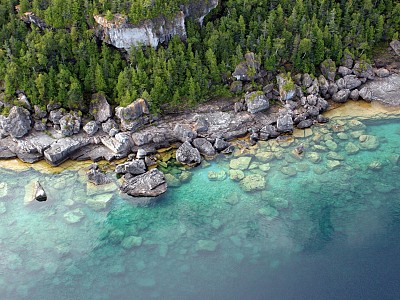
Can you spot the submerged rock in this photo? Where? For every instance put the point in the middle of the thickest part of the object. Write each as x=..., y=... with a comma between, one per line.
x=74, y=216
x=172, y=181
x=206, y=245
x=253, y=182
x=217, y=176
x=99, y=202
x=3, y=189
x=236, y=175
x=241, y=163
x=369, y=142
x=149, y=184
x=131, y=241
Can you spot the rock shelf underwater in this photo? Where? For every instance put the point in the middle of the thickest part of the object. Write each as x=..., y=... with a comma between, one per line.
x=218, y=235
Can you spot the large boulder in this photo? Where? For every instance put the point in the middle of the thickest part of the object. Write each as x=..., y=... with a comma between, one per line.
x=56, y=115
x=188, y=155
x=221, y=144
x=351, y=82
x=328, y=69
x=120, y=144
x=344, y=71
x=256, y=101
x=18, y=122
x=91, y=128
x=99, y=108
x=247, y=70
x=363, y=70
x=70, y=124
x=395, y=44
x=285, y=122
x=342, y=96
x=386, y=90
x=109, y=126
x=366, y=93
x=95, y=176
x=135, y=167
x=287, y=88
x=62, y=149
x=184, y=132
x=131, y=117
x=39, y=113
x=268, y=132
x=204, y=146
x=149, y=184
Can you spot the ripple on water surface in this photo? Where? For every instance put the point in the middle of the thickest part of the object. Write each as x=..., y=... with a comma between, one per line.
x=275, y=225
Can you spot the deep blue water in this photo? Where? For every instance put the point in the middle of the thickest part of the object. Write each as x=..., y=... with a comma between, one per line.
x=327, y=231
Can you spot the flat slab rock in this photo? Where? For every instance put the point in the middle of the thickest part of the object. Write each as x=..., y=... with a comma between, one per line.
x=386, y=89
x=149, y=184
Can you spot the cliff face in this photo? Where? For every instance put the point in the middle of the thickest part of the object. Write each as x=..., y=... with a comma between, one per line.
x=119, y=33
x=198, y=10
x=152, y=32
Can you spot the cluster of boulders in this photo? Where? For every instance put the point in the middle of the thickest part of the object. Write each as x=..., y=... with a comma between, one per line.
x=34, y=133
x=304, y=97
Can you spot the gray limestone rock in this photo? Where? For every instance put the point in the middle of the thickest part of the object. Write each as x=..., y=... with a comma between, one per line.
x=366, y=93
x=39, y=113
x=99, y=108
x=285, y=123
x=95, y=176
x=91, y=128
x=134, y=167
x=307, y=80
x=268, y=132
x=344, y=71
x=120, y=144
x=70, y=124
x=204, y=146
x=149, y=184
x=386, y=90
x=62, y=149
x=395, y=45
x=382, y=72
x=220, y=144
x=248, y=69
x=256, y=102
x=354, y=94
x=56, y=115
x=287, y=88
x=328, y=69
x=39, y=193
x=351, y=82
x=363, y=70
x=131, y=117
x=109, y=125
x=184, y=132
x=188, y=155
x=341, y=96
x=18, y=122
x=305, y=124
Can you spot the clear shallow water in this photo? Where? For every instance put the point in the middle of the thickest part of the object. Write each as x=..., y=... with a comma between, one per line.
x=319, y=233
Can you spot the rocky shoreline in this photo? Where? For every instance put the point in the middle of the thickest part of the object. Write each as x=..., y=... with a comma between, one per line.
x=32, y=134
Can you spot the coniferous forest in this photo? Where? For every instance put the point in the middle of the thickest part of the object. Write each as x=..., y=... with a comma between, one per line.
x=64, y=63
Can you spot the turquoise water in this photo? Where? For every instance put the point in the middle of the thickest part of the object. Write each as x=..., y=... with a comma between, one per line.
x=326, y=226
